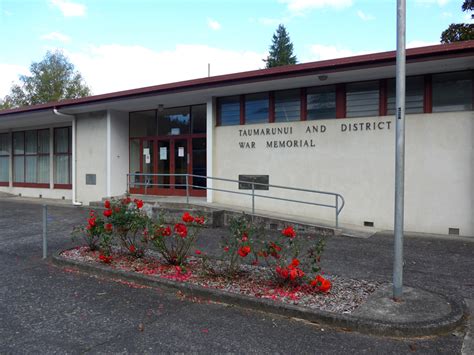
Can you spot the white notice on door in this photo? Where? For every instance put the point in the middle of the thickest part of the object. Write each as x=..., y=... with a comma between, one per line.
x=146, y=151
x=147, y=159
x=163, y=153
x=180, y=151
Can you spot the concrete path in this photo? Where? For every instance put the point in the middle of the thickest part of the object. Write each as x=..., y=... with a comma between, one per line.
x=44, y=309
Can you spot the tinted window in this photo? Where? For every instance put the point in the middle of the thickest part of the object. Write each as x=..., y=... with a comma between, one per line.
x=452, y=91
x=174, y=121
x=415, y=87
x=256, y=108
x=321, y=102
x=362, y=99
x=287, y=105
x=143, y=124
x=198, y=117
x=229, y=110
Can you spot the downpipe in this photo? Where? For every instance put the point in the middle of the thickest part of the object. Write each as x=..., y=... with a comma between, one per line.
x=73, y=117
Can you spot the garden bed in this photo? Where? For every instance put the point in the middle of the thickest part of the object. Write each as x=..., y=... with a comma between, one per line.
x=344, y=296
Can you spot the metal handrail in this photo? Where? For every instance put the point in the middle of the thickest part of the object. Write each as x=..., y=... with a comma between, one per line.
x=338, y=205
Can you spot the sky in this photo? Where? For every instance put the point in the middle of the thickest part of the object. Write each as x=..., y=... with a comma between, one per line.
x=125, y=44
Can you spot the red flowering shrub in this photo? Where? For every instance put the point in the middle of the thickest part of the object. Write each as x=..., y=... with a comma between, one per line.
x=95, y=233
x=322, y=284
x=290, y=263
x=175, y=243
x=239, y=244
x=129, y=223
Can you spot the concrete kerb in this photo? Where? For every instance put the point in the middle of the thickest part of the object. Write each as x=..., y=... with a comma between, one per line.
x=445, y=324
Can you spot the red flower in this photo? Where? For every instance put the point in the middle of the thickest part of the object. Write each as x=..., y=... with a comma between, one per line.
x=132, y=248
x=289, y=232
x=199, y=220
x=139, y=203
x=187, y=218
x=163, y=232
x=181, y=230
x=107, y=204
x=245, y=237
x=244, y=251
x=282, y=271
x=126, y=200
x=108, y=227
x=108, y=213
x=117, y=209
x=91, y=222
x=105, y=259
x=295, y=262
x=226, y=249
x=323, y=285
x=198, y=252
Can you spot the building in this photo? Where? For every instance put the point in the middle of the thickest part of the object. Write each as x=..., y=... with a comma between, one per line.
x=326, y=125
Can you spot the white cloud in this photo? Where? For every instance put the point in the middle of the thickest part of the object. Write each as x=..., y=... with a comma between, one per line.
x=364, y=16
x=109, y=68
x=468, y=18
x=299, y=6
x=322, y=52
x=56, y=36
x=417, y=43
x=9, y=74
x=68, y=8
x=446, y=14
x=213, y=24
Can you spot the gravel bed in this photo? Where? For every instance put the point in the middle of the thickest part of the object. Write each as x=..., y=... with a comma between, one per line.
x=344, y=296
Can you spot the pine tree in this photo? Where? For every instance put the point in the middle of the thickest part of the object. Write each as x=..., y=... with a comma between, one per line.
x=281, y=50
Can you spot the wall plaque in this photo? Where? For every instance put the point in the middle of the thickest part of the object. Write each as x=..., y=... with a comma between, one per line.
x=246, y=179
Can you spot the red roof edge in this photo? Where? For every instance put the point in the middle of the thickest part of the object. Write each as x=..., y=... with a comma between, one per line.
x=348, y=62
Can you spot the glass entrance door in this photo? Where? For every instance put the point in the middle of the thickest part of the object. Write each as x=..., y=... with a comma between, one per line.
x=168, y=160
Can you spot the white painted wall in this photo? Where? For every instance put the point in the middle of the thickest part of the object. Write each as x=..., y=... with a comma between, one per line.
x=119, y=152
x=360, y=166
x=91, y=156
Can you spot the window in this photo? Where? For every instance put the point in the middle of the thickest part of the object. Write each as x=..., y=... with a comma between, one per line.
x=256, y=108
x=4, y=159
x=198, y=118
x=321, y=102
x=287, y=105
x=174, y=121
x=415, y=88
x=31, y=158
x=143, y=124
x=62, y=157
x=362, y=99
x=452, y=91
x=229, y=110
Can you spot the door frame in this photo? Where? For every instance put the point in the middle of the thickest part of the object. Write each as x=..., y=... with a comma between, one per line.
x=172, y=190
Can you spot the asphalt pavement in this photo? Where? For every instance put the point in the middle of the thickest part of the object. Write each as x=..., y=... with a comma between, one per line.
x=45, y=309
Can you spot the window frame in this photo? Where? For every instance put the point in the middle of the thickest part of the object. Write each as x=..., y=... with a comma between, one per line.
x=68, y=153
x=7, y=134
x=24, y=155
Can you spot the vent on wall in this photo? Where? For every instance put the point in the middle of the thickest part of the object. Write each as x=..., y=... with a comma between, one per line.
x=368, y=224
x=453, y=231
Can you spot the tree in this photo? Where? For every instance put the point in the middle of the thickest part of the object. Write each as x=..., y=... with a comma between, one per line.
x=281, y=50
x=52, y=79
x=457, y=32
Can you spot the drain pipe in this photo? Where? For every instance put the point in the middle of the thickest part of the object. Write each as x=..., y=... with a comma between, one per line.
x=73, y=173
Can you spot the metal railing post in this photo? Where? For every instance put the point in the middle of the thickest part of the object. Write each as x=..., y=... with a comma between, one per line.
x=253, y=198
x=128, y=184
x=187, y=189
x=45, y=231
x=337, y=211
